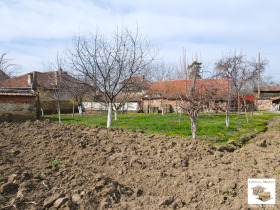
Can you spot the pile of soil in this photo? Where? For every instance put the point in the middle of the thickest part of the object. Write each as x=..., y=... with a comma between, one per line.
x=47, y=165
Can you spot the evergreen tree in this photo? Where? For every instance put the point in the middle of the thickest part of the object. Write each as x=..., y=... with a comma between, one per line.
x=195, y=70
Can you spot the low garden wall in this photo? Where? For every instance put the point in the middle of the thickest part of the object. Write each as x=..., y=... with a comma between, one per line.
x=50, y=106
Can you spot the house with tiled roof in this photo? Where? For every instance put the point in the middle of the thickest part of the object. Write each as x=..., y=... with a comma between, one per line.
x=46, y=81
x=36, y=80
x=170, y=92
x=137, y=84
x=133, y=91
x=269, y=98
x=46, y=85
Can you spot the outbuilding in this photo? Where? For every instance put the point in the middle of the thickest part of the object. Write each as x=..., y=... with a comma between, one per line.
x=18, y=106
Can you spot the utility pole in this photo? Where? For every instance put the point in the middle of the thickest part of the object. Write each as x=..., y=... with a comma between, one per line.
x=259, y=76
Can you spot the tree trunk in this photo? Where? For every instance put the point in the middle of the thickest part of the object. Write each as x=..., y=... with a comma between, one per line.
x=109, y=115
x=227, y=118
x=209, y=112
x=162, y=112
x=245, y=103
x=123, y=109
x=73, y=109
x=194, y=127
x=149, y=108
x=58, y=112
x=42, y=111
x=180, y=118
x=80, y=110
x=238, y=103
x=116, y=114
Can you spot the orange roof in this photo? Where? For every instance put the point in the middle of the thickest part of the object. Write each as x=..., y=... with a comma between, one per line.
x=139, y=81
x=269, y=89
x=219, y=88
x=7, y=92
x=275, y=98
x=40, y=79
x=132, y=97
x=44, y=80
x=17, y=94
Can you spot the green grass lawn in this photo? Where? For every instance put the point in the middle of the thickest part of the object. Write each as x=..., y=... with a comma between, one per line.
x=210, y=129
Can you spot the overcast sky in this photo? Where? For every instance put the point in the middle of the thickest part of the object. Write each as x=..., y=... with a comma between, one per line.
x=34, y=31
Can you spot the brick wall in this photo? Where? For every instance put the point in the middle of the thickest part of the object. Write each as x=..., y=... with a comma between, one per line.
x=18, y=108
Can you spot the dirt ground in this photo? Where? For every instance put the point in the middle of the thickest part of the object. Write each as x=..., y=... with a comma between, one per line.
x=45, y=165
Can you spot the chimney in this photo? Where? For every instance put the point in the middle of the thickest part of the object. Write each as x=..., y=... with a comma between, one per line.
x=30, y=79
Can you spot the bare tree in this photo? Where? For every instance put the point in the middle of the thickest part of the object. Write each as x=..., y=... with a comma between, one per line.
x=197, y=94
x=107, y=62
x=243, y=74
x=8, y=68
x=200, y=95
x=77, y=90
x=255, y=65
x=54, y=78
x=267, y=80
x=190, y=98
x=196, y=69
x=182, y=71
x=131, y=90
x=228, y=102
x=161, y=71
x=239, y=70
x=44, y=95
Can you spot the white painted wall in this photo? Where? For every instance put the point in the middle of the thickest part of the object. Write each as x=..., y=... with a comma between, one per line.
x=96, y=106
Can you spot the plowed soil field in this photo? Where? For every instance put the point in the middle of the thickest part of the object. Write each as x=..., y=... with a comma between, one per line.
x=45, y=165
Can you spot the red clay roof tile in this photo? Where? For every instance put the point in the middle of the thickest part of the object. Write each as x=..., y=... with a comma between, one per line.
x=174, y=88
x=42, y=80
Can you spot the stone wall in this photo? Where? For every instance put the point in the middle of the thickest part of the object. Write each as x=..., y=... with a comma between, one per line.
x=264, y=104
x=155, y=106
x=18, y=107
x=169, y=106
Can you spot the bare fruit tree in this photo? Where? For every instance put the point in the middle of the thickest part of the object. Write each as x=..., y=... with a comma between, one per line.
x=132, y=89
x=8, y=68
x=54, y=78
x=161, y=71
x=242, y=73
x=107, y=62
x=197, y=95
x=191, y=101
x=77, y=93
x=76, y=90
